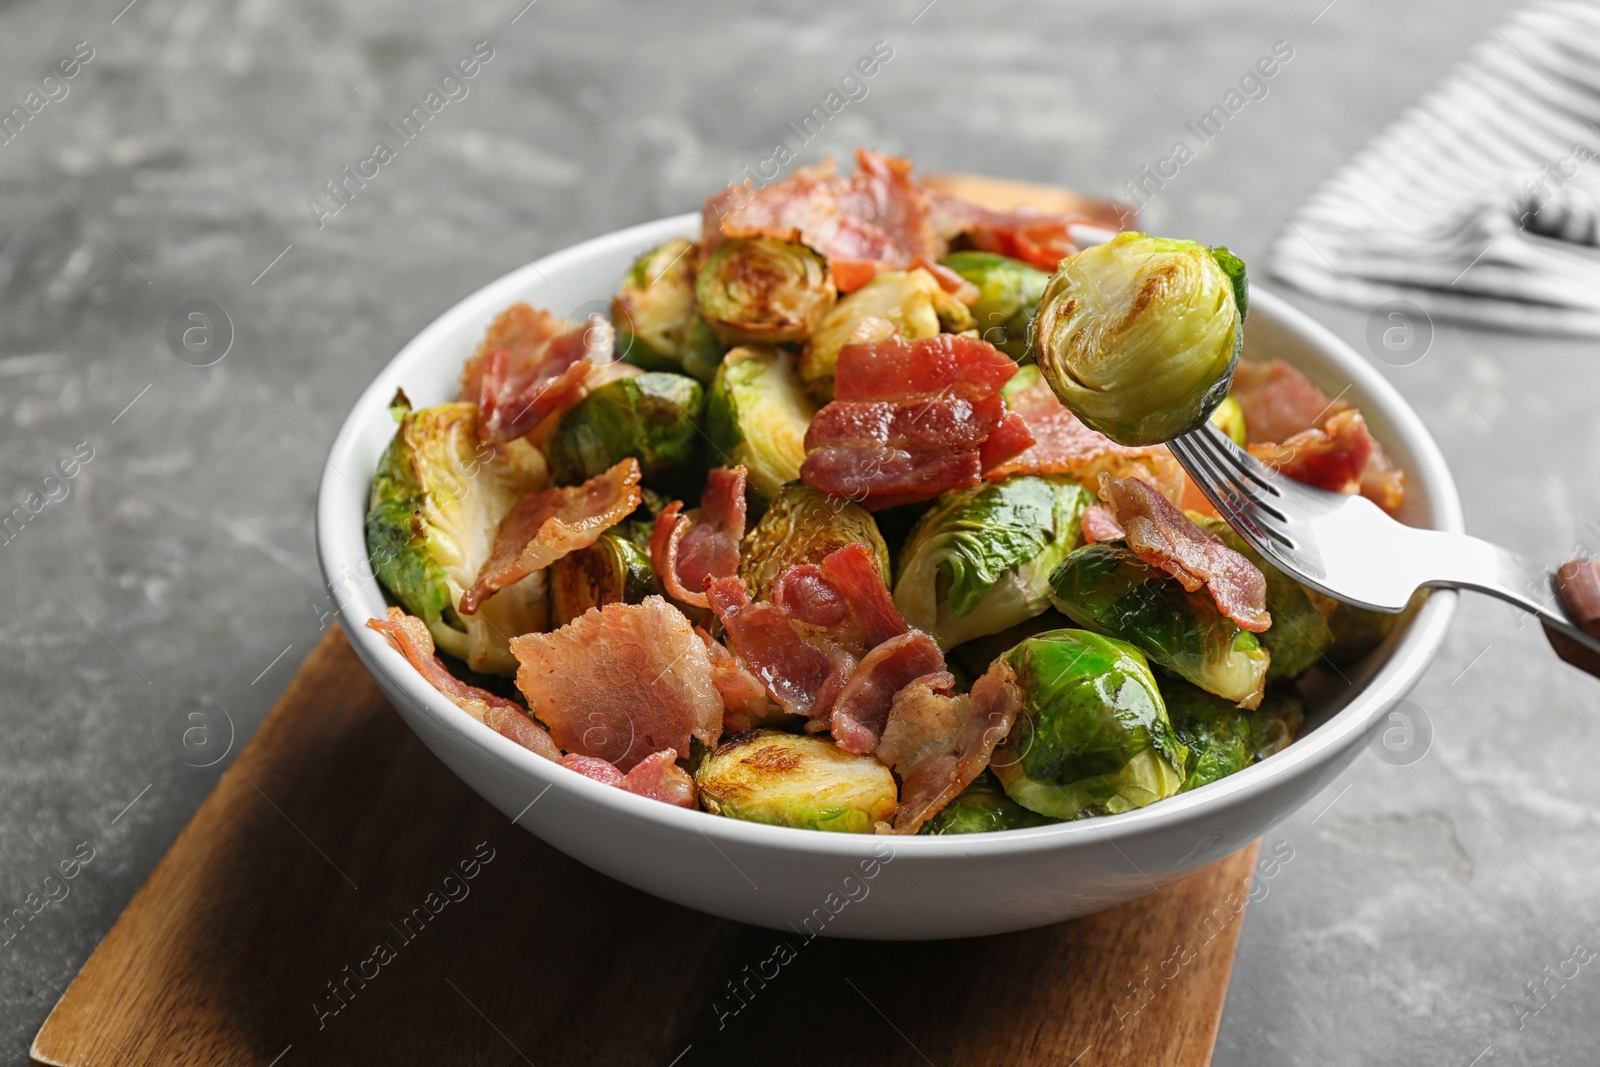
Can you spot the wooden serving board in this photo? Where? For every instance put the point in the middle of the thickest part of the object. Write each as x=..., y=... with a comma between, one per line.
x=255, y=941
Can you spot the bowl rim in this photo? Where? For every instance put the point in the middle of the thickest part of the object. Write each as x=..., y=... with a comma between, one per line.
x=360, y=598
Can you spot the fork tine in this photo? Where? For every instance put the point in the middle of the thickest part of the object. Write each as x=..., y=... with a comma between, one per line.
x=1224, y=454
x=1238, y=505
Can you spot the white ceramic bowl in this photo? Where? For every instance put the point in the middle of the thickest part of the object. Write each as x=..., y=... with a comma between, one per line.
x=843, y=885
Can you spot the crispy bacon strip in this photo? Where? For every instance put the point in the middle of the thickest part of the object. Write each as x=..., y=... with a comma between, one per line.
x=938, y=743
x=911, y=419
x=862, y=710
x=410, y=637
x=621, y=681
x=687, y=554
x=845, y=594
x=1280, y=404
x=1099, y=524
x=1165, y=538
x=657, y=776
x=1064, y=445
x=544, y=526
x=744, y=698
x=1038, y=239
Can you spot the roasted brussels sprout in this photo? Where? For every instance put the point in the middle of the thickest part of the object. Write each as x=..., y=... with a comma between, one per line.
x=756, y=289
x=1229, y=418
x=437, y=497
x=1356, y=631
x=1092, y=736
x=979, y=560
x=1105, y=587
x=652, y=416
x=906, y=304
x=796, y=780
x=1276, y=723
x=802, y=525
x=1008, y=295
x=1139, y=336
x=981, y=807
x=757, y=416
x=614, y=569
x=1299, y=636
x=1219, y=736
x=657, y=322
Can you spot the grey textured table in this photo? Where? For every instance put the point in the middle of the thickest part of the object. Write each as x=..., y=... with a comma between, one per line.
x=176, y=577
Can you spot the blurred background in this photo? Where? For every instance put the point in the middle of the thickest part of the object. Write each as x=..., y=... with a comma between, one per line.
x=158, y=606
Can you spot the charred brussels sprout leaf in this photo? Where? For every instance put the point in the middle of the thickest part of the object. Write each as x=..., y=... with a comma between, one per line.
x=1219, y=736
x=1008, y=295
x=1229, y=418
x=1105, y=587
x=979, y=560
x=1276, y=723
x=757, y=289
x=650, y=416
x=906, y=304
x=1139, y=336
x=1356, y=631
x=981, y=807
x=1299, y=636
x=802, y=525
x=796, y=780
x=657, y=322
x=757, y=416
x=1092, y=736
x=615, y=569
x=437, y=497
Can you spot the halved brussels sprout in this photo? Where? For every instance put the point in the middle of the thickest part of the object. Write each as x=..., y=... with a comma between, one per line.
x=653, y=417
x=979, y=559
x=981, y=807
x=1008, y=295
x=907, y=304
x=437, y=497
x=1356, y=631
x=1276, y=723
x=1229, y=418
x=1299, y=636
x=1092, y=736
x=757, y=416
x=614, y=569
x=1107, y=588
x=1139, y=336
x=756, y=289
x=658, y=325
x=1219, y=736
x=802, y=525
x=796, y=780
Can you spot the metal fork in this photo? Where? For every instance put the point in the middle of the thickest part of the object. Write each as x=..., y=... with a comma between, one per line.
x=1347, y=547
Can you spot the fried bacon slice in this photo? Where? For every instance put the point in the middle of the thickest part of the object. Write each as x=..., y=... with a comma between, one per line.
x=532, y=365
x=657, y=776
x=1041, y=240
x=862, y=709
x=880, y=219
x=912, y=419
x=744, y=698
x=689, y=553
x=938, y=743
x=1281, y=406
x=1099, y=524
x=1064, y=445
x=621, y=681
x=1165, y=538
x=546, y=525
x=410, y=637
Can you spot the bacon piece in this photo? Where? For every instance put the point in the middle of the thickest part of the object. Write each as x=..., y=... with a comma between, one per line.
x=911, y=419
x=938, y=743
x=1099, y=524
x=1064, y=445
x=1333, y=457
x=410, y=637
x=544, y=526
x=657, y=776
x=621, y=681
x=879, y=220
x=744, y=698
x=688, y=555
x=1281, y=404
x=862, y=710
x=804, y=644
x=1165, y=538
x=1038, y=239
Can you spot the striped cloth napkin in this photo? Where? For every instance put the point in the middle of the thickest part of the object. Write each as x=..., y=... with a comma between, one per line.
x=1481, y=202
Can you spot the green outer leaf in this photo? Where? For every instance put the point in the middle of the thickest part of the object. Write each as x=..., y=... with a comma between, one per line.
x=757, y=414
x=1008, y=295
x=1233, y=267
x=1299, y=635
x=983, y=806
x=396, y=543
x=651, y=416
x=1218, y=735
